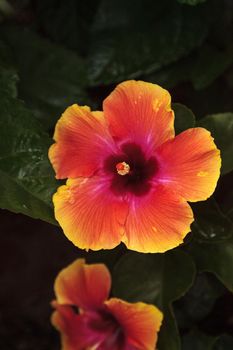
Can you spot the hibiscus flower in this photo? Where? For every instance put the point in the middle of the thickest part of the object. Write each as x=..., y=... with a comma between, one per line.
x=88, y=321
x=129, y=177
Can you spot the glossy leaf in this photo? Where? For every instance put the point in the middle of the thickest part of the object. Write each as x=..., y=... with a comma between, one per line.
x=210, y=64
x=174, y=73
x=124, y=44
x=224, y=342
x=197, y=340
x=26, y=178
x=191, y=2
x=199, y=301
x=221, y=128
x=210, y=224
x=51, y=77
x=184, y=117
x=158, y=279
x=67, y=24
x=8, y=75
x=8, y=81
x=216, y=258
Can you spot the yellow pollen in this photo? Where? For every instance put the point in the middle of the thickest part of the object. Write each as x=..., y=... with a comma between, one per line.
x=123, y=168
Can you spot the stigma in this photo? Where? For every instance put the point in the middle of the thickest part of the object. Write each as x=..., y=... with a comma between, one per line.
x=123, y=168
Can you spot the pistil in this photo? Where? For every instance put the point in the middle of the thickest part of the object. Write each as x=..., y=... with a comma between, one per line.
x=123, y=168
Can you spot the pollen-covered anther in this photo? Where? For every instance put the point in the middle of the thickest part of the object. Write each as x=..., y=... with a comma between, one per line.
x=123, y=168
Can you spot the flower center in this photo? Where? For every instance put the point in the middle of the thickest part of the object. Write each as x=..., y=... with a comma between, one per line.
x=135, y=178
x=123, y=168
x=106, y=330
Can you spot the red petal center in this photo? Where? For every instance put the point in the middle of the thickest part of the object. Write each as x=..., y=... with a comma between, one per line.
x=137, y=177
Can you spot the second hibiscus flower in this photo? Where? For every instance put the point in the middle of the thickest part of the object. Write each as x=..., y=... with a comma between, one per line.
x=129, y=177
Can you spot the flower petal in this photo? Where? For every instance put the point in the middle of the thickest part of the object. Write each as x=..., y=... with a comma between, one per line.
x=86, y=286
x=140, y=112
x=74, y=329
x=158, y=221
x=82, y=142
x=67, y=323
x=89, y=214
x=190, y=164
x=140, y=322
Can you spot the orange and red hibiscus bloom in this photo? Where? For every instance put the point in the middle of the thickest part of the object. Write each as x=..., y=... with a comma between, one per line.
x=88, y=321
x=129, y=177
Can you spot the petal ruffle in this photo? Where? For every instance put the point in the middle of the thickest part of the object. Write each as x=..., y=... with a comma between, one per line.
x=82, y=142
x=140, y=112
x=89, y=214
x=140, y=323
x=67, y=323
x=76, y=333
x=157, y=222
x=83, y=285
x=190, y=164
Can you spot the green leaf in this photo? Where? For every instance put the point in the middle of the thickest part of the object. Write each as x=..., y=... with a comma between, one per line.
x=210, y=224
x=173, y=74
x=26, y=177
x=216, y=258
x=5, y=55
x=124, y=44
x=230, y=214
x=221, y=128
x=8, y=75
x=8, y=81
x=51, y=77
x=107, y=257
x=191, y=2
x=201, y=67
x=6, y=8
x=212, y=244
x=67, y=24
x=197, y=340
x=184, y=117
x=210, y=64
x=158, y=279
x=224, y=342
x=198, y=302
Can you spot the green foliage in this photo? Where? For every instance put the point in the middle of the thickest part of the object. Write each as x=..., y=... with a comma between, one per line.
x=213, y=241
x=8, y=79
x=184, y=117
x=58, y=81
x=216, y=258
x=157, y=279
x=124, y=44
x=26, y=177
x=55, y=53
x=201, y=68
x=221, y=128
x=8, y=74
x=197, y=340
x=191, y=2
x=67, y=25
x=224, y=342
x=198, y=302
x=210, y=64
x=211, y=225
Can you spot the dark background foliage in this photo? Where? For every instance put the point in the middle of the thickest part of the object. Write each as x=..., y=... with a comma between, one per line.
x=54, y=53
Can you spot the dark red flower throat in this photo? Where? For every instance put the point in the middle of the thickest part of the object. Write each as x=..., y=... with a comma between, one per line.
x=141, y=170
x=111, y=335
